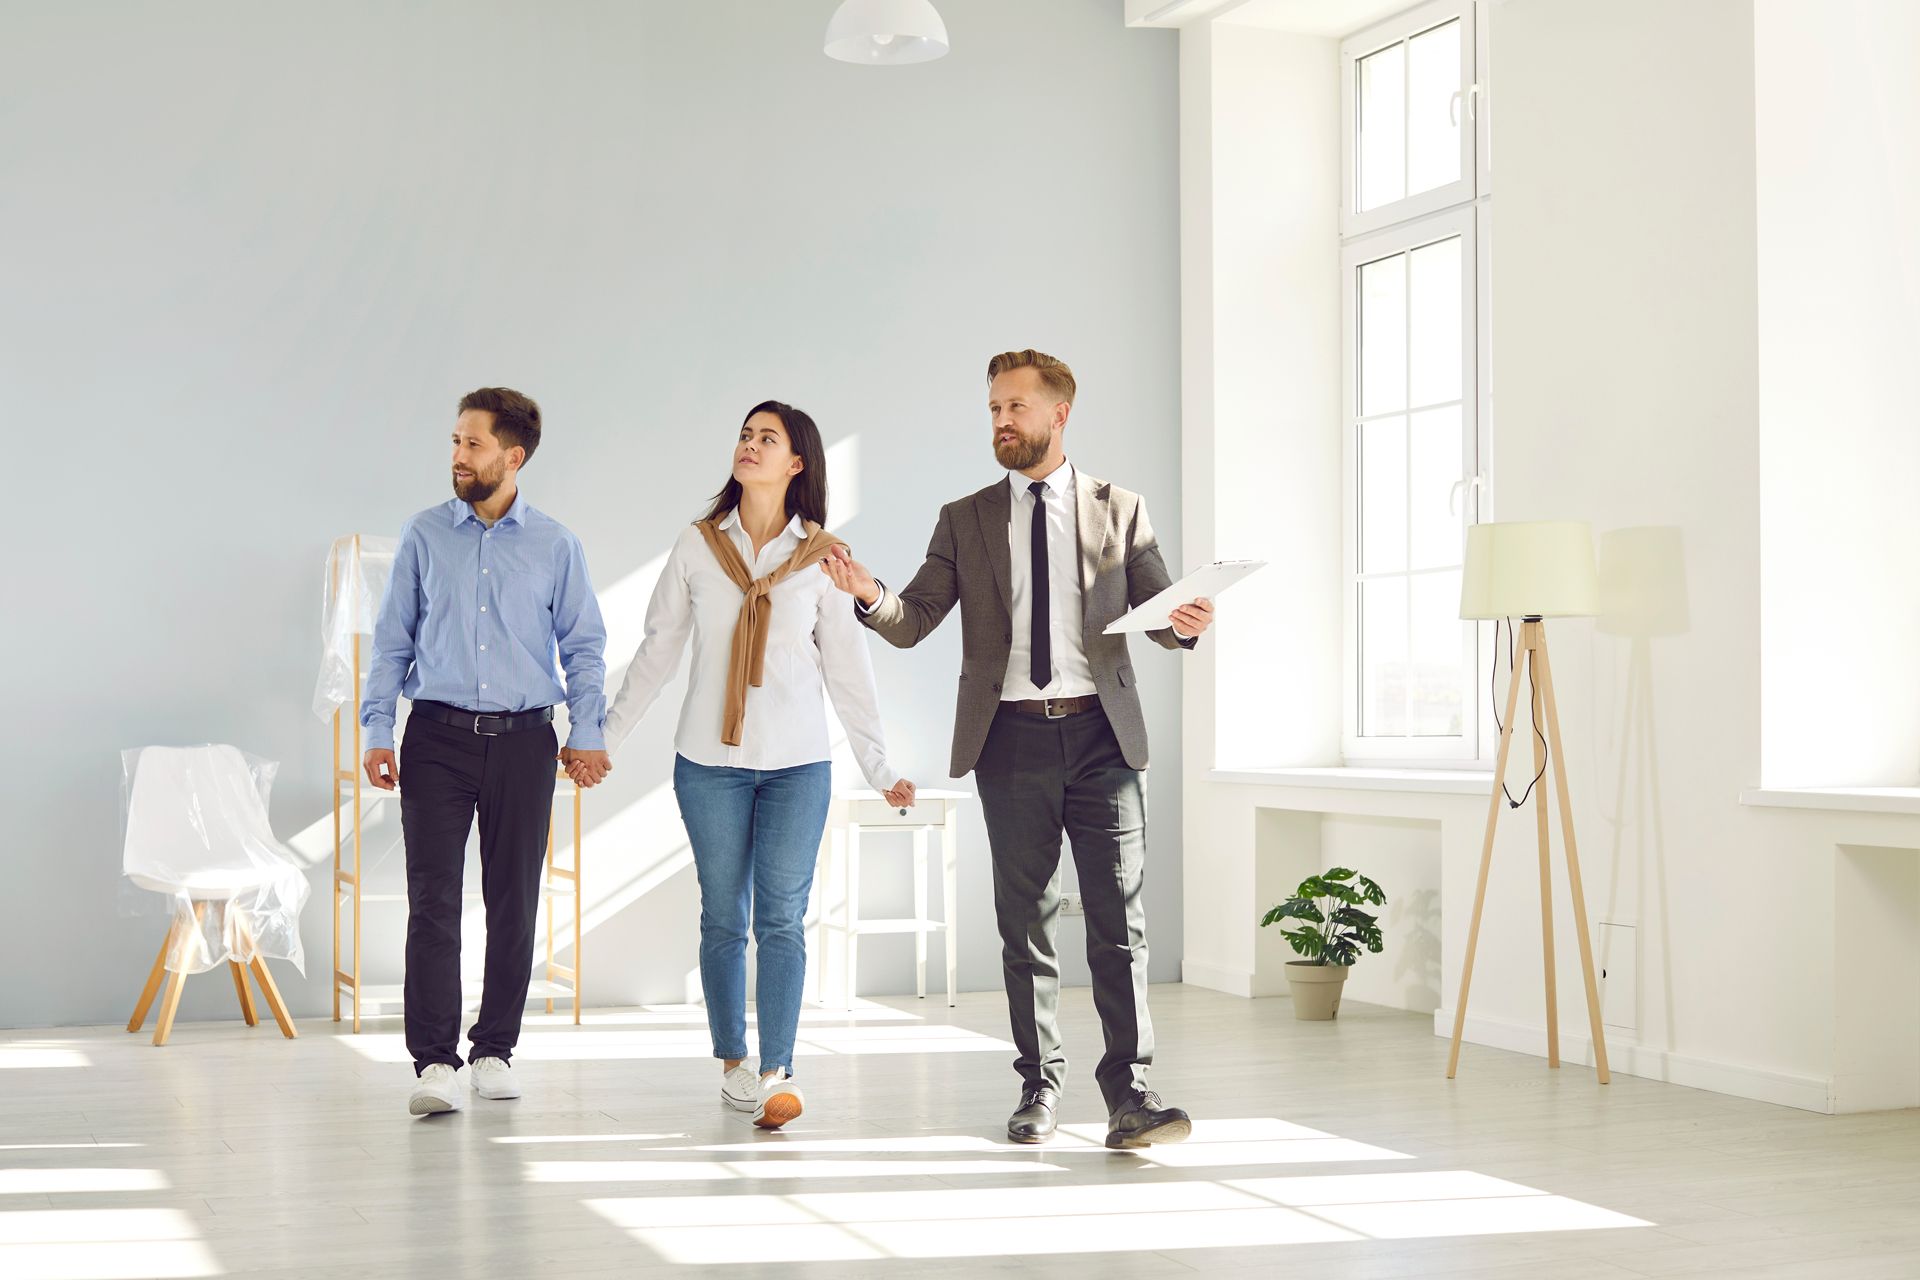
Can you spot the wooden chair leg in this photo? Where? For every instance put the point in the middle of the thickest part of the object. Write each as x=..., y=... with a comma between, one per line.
x=169, y=1005
x=272, y=993
x=246, y=996
x=154, y=979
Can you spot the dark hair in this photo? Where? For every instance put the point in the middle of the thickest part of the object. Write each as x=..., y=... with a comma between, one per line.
x=516, y=418
x=807, y=492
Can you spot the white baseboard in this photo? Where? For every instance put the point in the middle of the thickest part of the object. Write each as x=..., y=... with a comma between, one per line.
x=1855, y=1091
x=1216, y=977
x=1808, y=1093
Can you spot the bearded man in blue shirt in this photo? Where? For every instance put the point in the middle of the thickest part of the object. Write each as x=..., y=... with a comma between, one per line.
x=488, y=603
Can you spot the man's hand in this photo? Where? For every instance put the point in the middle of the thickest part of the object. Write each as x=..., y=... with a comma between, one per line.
x=851, y=576
x=901, y=797
x=1193, y=619
x=383, y=771
x=586, y=768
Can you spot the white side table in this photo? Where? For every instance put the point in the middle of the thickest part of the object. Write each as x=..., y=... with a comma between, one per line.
x=853, y=814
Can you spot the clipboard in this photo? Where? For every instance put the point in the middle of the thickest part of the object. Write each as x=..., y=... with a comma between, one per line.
x=1208, y=580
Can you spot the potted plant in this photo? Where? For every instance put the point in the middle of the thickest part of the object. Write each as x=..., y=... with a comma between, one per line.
x=1333, y=928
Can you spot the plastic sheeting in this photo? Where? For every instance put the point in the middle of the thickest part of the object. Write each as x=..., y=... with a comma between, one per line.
x=198, y=846
x=359, y=567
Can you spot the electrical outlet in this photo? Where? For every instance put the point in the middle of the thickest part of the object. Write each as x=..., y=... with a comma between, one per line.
x=1072, y=905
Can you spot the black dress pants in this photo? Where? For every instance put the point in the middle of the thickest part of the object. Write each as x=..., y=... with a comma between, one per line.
x=1039, y=779
x=447, y=775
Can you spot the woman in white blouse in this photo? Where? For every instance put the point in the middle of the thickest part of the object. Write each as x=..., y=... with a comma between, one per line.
x=751, y=772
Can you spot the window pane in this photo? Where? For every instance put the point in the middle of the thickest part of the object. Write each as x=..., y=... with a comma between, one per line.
x=1383, y=657
x=1439, y=667
x=1436, y=459
x=1383, y=336
x=1383, y=496
x=1381, y=121
x=1433, y=117
x=1437, y=322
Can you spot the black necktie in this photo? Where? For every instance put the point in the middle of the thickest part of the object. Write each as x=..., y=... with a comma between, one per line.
x=1040, y=615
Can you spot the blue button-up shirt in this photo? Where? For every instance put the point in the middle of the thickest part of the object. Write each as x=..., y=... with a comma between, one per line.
x=477, y=618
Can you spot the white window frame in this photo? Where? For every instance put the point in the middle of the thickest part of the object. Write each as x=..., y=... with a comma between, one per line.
x=1394, y=31
x=1460, y=223
x=1464, y=209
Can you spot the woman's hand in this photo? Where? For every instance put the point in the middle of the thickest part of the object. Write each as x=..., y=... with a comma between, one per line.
x=586, y=768
x=901, y=797
x=850, y=576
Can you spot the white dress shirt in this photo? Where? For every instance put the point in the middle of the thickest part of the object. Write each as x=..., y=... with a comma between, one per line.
x=812, y=638
x=1072, y=675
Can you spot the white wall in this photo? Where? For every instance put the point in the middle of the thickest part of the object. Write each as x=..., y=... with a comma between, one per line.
x=1838, y=173
x=1260, y=175
x=253, y=254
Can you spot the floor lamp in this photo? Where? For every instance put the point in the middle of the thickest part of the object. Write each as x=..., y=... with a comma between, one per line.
x=1533, y=571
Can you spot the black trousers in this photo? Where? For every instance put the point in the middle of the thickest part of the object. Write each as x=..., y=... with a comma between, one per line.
x=446, y=775
x=1038, y=778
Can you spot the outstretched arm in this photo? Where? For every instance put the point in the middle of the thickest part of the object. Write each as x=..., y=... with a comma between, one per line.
x=906, y=617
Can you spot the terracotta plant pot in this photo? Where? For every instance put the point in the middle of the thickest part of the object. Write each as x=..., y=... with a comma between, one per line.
x=1316, y=989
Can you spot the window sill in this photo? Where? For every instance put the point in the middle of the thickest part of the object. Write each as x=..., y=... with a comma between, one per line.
x=1904, y=800
x=1460, y=782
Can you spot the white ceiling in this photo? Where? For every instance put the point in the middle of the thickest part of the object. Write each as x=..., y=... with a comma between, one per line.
x=1314, y=17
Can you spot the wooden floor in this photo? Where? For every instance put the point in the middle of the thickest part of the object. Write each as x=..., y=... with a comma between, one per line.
x=1321, y=1150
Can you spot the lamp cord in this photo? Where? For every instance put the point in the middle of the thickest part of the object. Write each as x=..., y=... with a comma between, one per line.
x=1533, y=684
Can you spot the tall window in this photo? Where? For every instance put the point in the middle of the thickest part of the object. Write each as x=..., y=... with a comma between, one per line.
x=1415, y=214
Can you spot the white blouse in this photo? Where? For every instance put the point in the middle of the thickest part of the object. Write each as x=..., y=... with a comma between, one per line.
x=812, y=637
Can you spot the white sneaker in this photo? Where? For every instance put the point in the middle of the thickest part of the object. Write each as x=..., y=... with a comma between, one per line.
x=438, y=1090
x=493, y=1078
x=740, y=1089
x=780, y=1101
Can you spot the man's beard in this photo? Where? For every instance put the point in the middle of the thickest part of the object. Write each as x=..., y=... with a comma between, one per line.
x=481, y=487
x=1023, y=452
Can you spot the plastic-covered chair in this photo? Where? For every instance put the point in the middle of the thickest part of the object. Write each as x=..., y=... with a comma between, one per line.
x=197, y=834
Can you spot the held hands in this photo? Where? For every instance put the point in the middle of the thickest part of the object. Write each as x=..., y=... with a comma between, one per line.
x=383, y=771
x=1193, y=619
x=586, y=768
x=850, y=576
x=901, y=797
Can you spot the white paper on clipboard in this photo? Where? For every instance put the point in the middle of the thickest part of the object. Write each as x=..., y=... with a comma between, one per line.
x=1208, y=580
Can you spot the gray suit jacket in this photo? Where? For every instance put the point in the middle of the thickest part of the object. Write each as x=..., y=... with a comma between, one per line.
x=969, y=564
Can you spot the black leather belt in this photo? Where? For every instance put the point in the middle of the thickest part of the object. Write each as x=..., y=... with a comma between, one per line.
x=485, y=723
x=1055, y=708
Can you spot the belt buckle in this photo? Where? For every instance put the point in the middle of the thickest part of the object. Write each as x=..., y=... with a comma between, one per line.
x=476, y=726
x=1046, y=709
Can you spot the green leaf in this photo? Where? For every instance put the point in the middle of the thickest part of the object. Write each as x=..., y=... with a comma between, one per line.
x=1342, y=893
x=1353, y=917
x=1311, y=887
x=1371, y=891
x=1306, y=941
x=1295, y=909
x=1339, y=873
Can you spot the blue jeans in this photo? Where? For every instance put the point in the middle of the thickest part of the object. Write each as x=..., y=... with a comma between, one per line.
x=755, y=834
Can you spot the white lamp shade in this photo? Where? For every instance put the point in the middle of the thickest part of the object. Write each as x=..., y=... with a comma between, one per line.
x=886, y=33
x=1537, y=569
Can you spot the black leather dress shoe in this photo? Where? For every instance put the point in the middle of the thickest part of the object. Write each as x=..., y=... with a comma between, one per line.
x=1145, y=1120
x=1033, y=1120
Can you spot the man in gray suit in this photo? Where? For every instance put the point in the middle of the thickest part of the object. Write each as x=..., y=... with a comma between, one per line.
x=1049, y=721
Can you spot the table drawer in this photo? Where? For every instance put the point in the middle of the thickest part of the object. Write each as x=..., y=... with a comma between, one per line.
x=878, y=813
